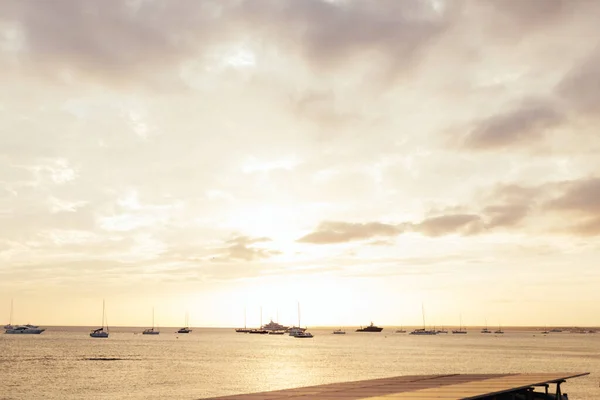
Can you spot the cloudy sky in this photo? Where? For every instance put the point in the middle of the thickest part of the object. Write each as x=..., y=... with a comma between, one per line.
x=362, y=158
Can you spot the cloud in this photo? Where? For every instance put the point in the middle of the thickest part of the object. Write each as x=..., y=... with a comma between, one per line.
x=590, y=227
x=330, y=232
x=117, y=38
x=133, y=40
x=582, y=196
x=241, y=248
x=569, y=207
x=449, y=224
x=581, y=86
x=505, y=215
x=524, y=125
x=331, y=33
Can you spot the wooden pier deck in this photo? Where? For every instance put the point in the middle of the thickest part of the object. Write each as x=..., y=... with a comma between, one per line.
x=424, y=387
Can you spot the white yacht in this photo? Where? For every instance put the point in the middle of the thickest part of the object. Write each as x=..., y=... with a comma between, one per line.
x=25, y=330
x=274, y=326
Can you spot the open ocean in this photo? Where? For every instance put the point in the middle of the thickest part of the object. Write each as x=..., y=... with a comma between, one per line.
x=65, y=363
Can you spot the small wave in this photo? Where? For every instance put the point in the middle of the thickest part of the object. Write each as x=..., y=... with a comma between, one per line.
x=104, y=359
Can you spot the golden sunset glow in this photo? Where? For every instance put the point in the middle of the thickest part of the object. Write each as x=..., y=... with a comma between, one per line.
x=360, y=158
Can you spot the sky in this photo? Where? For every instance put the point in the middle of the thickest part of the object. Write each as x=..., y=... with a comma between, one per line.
x=363, y=160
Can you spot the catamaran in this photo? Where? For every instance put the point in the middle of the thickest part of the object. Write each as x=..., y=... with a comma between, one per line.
x=151, y=331
x=100, y=332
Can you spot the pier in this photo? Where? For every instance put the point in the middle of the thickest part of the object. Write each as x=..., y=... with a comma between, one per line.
x=533, y=386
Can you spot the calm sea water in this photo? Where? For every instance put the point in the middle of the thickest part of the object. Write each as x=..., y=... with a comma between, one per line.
x=65, y=363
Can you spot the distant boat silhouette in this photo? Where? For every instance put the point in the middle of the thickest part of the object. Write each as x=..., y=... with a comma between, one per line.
x=186, y=329
x=423, y=331
x=460, y=330
x=10, y=325
x=370, y=328
x=151, y=331
x=100, y=332
x=244, y=329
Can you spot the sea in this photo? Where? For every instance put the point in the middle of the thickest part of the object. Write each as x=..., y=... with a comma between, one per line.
x=65, y=363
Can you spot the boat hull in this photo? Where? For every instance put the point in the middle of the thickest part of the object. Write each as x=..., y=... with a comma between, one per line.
x=24, y=331
x=99, y=335
x=370, y=329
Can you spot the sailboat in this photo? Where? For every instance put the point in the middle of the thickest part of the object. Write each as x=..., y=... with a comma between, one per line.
x=486, y=330
x=424, y=331
x=186, y=329
x=151, y=331
x=499, y=330
x=460, y=330
x=298, y=332
x=10, y=325
x=100, y=332
x=259, y=331
x=244, y=329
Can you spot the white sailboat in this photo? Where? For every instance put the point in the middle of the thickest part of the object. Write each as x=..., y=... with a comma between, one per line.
x=486, y=330
x=151, y=331
x=299, y=332
x=100, y=332
x=185, y=329
x=460, y=330
x=10, y=325
x=244, y=329
x=424, y=331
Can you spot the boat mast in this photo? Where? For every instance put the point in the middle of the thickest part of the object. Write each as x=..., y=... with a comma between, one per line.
x=423, y=312
x=261, y=325
x=103, y=307
x=298, y=314
x=11, y=312
x=152, y=318
x=244, y=317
